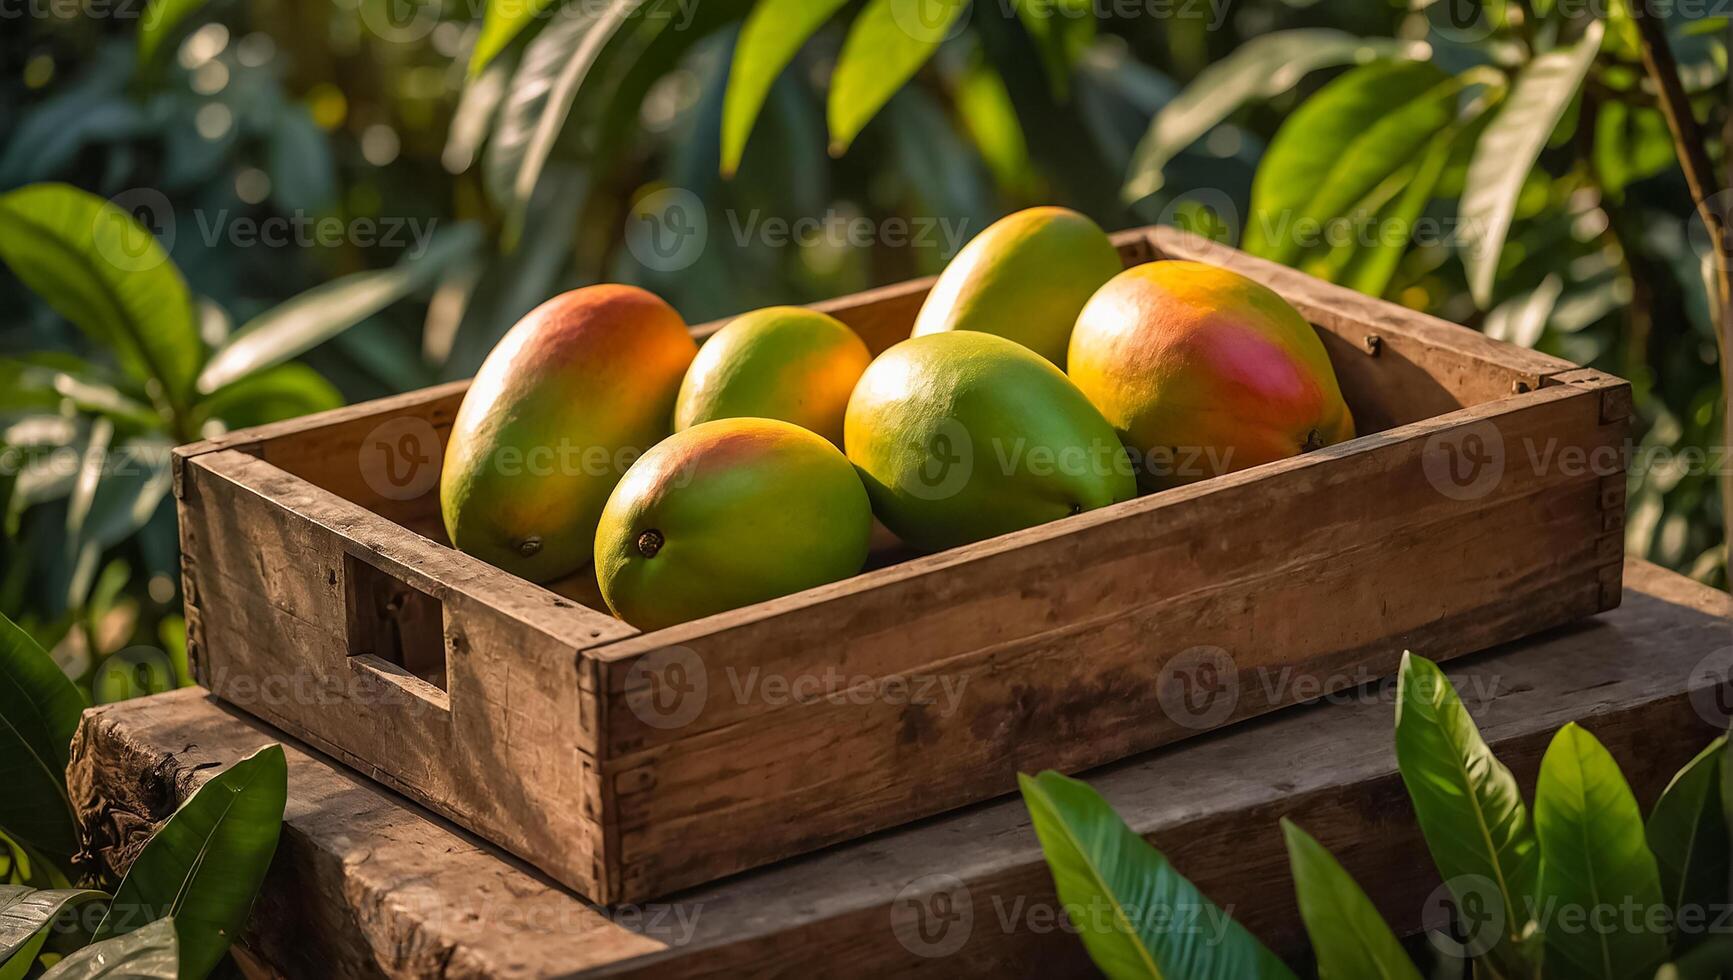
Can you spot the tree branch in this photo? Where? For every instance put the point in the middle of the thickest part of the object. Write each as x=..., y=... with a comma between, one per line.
x=1700, y=177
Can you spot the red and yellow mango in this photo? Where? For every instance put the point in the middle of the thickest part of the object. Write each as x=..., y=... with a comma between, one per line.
x=1203, y=371
x=569, y=399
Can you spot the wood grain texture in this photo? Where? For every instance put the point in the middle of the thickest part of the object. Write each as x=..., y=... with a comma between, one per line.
x=366, y=885
x=924, y=683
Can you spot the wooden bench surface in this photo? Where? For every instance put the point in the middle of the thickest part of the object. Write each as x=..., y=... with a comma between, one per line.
x=367, y=885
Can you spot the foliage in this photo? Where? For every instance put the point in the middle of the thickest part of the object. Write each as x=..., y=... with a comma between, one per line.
x=1579, y=895
x=190, y=887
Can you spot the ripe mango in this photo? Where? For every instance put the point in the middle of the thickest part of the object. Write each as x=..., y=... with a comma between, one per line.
x=573, y=394
x=1025, y=278
x=962, y=436
x=783, y=362
x=1203, y=371
x=725, y=514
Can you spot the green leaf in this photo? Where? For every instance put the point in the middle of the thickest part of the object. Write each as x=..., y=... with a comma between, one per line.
x=1062, y=30
x=100, y=269
x=1688, y=834
x=1467, y=803
x=1349, y=938
x=283, y=392
x=1261, y=68
x=1508, y=149
x=886, y=45
x=160, y=24
x=1339, y=146
x=39, y=710
x=203, y=866
x=771, y=37
x=45, y=382
x=315, y=316
x=1595, y=865
x=25, y=917
x=148, y=953
x=1136, y=915
x=503, y=21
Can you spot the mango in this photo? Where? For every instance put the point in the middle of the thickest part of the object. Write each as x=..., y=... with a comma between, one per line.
x=783, y=362
x=962, y=436
x=569, y=399
x=1203, y=371
x=1025, y=278
x=725, y=514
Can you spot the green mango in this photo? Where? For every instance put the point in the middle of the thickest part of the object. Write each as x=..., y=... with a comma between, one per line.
x=1025, y=278
x=725, y=514
x=963, y=436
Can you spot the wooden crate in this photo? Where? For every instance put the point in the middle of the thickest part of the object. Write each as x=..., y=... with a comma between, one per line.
x=1483, y=502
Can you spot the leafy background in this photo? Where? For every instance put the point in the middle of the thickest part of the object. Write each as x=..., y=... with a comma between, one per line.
x=521, y=138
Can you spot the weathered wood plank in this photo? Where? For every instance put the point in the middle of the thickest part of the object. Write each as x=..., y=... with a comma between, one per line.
x=366, y=885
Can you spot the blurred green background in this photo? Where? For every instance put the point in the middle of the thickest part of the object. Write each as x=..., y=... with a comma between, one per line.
x=361, y=202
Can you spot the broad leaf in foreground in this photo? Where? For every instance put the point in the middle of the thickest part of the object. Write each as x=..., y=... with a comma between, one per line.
x=1136, y=915
x=203, y=866
x=1467, y=803
x=1508, y=149
x=1599, y=884
x=39, y=710
x=1261, y=68
x=886, y=45
x=1688, y=834
x=1349, y=938
x=102, y=270
x=149, y=953
x=769, y=40
x=25, y=914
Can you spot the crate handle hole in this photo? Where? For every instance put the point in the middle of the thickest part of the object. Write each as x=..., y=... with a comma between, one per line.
x=394, y=627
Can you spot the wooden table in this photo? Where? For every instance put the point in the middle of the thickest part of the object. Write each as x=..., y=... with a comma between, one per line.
x=365, y=884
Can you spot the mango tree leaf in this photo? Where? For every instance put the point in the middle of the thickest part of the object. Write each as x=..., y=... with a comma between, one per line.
x=771, y=37
x=203, y=866
x=99, y=268
x=149, y=953
x=1349, y=938
x=43, y=381
x=39, y=710
x=160, y=24
x=25, y=917
x=1467, y=803
x=574, y=66
x=1158, y=924
x=1595, y=864
x=886, y=45
x=503, y=21
x=315, y=316
x=1688, y=834
x=1339, y=146
x=1508, y=149
x=283, y=392
x=1261, y=68
x=1063, y=31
